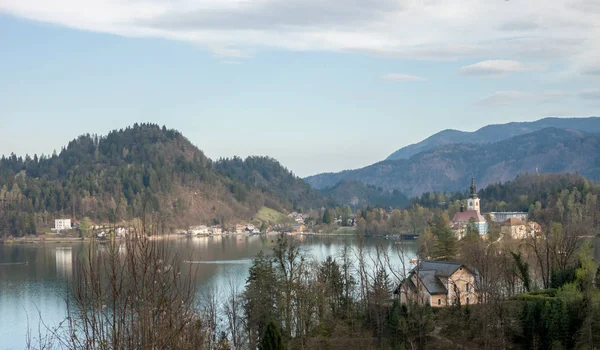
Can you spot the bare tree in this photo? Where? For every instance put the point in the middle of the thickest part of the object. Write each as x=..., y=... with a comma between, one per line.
x=139, y=299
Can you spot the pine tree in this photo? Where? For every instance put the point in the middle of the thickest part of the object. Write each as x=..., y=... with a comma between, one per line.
x=445, y=247
x=272, y=339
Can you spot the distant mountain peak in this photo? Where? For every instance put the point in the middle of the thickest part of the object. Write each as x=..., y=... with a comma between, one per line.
x=449, y=167
x=495, y=132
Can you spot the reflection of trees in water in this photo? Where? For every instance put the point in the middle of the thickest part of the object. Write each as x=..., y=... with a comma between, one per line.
x=64, y=262
x=597, y=249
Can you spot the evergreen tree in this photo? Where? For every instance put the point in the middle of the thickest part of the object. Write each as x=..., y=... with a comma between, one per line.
x=271, y=339
x=260, y=296
x=328, y=216
x=445, y=247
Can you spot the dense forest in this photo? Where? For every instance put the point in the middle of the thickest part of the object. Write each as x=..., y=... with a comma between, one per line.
x=519, y=194
x=359, y=195
x=139, y=170
x=268, y=175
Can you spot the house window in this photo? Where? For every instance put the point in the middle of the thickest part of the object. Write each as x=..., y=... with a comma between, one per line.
x=439, y=301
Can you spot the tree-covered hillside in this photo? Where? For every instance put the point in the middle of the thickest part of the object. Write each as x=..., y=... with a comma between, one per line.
x=520, y=194
x=141, y=169
x=271, y=178
x=357, y=195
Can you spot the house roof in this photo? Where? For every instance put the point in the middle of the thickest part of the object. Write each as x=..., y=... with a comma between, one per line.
x=432, y=282
x=464, y=216
x=513, y=222
x=430, y=273
x=441, y=268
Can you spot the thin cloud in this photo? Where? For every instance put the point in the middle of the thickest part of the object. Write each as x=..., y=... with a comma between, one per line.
x=439, y=30
x=591, y=94
x=510, y=98
x=231, y=62
x=523, y=25
x=498, y=68
x=402, y=77
x=564, y=113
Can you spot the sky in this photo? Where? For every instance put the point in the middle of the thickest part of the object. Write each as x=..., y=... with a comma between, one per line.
x=320, y=85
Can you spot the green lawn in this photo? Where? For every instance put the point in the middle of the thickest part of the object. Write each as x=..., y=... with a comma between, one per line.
x=269, y=215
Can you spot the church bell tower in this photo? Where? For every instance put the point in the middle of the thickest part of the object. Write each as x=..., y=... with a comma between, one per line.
x=473, y=201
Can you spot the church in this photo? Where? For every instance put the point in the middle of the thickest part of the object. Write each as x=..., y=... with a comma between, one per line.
x=460, y=221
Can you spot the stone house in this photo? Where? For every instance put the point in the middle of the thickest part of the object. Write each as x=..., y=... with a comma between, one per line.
x=517, y=229
x=439, y=284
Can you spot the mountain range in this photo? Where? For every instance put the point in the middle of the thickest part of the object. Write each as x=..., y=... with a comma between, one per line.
x=450, y=167
x=494, y=133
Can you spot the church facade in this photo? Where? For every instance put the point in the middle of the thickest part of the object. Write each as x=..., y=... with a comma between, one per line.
x=472, y=215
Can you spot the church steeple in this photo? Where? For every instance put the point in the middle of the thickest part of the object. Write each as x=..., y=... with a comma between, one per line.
x=473, y=188
x=473, y=201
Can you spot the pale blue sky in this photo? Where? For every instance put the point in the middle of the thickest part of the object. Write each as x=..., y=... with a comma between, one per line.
x=320, y=88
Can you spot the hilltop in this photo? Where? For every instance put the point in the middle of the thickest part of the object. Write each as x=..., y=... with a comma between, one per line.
x=143, y=169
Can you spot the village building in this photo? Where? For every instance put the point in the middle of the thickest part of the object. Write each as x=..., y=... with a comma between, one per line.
x=62, y=225
x=463, y=218
x=216, y=230
x=517, y=229
x=239, y=228
x=121, y=231
x=439, y=284
x=502, y=216
x=299, y=228
x=199, y=230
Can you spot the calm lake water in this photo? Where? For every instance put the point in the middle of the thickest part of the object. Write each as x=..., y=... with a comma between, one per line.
x=41, y=286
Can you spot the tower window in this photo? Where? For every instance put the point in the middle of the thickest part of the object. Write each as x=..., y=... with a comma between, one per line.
x=439, y=301
x=468, y=287
x=467, y=301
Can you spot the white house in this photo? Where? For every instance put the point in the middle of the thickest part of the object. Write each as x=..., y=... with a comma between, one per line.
x=121, y=231
x=199, y=230
x=502, y=216
x=62, y=224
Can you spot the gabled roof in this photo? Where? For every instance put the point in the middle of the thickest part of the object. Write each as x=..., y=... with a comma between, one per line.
x=432, y=282
x=441, y=268
x=513, y=222
x=464, y=216
x=430, y=273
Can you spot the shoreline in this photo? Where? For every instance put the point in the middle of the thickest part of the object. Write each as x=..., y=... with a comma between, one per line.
x=71, y=240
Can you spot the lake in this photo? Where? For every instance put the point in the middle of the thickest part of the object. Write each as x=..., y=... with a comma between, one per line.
x=42, y=285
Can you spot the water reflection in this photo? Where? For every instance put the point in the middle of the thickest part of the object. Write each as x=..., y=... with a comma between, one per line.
x=44, y=283
x=64, y=262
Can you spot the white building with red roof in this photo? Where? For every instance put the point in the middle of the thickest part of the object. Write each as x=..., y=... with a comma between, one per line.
x=463, y=218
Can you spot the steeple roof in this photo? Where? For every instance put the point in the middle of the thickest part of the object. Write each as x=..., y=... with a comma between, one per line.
x=473, y=188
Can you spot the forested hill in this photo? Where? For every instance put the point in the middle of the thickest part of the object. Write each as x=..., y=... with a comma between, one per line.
x=271, y=178
x=519, y=194
x=358, y=195
x=141, y=169
x=449, y=168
